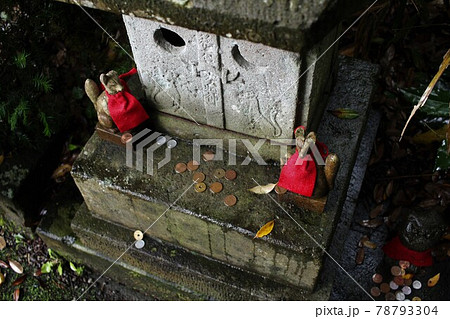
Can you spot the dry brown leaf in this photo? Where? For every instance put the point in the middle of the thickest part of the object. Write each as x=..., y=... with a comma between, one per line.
x=2, y=243
x=16, y=266
x=426, y=94
x=371, y=223
x=266, y=189
x=265, y=230
x=19, y=280
x=62, y=170
x=360, y=256
x=378, y=193
x=376, y=211
x=363, y=240
x=2, y=278
x=370, y=244
x=434, y=280
x=3, y=264
x=389, y=189
x=16, y=294
x=2, y=158
x=446, y=236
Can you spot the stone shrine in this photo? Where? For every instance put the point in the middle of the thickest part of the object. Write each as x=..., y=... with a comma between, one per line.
x=213, y=71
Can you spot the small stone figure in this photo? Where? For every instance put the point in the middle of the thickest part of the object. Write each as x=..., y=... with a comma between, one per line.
x=303, y=174
x=116, y=107
x=420, y=232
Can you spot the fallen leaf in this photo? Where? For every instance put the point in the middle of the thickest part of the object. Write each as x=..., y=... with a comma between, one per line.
x=2, y=158
x=37, y=273
x=431, y=136
x=3, y=264
x=376, y=211
x=360, y=256
x=408, y=276
x=265, y=230
x=343, y=113
x=266, y=189
x=447, y=236
x=2, y=243
x=389, y=189
x=2, y=278
x=61, y=171
x=19, y=280
x=363, y=240
x=434, y=280
x=378, y=193
x=371, y=223
x=16, y=294
x=370, y=244
x=16, y=266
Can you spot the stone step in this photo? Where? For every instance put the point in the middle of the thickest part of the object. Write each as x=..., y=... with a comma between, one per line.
x=201, y=223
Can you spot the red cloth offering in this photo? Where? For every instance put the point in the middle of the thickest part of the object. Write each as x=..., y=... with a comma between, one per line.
x=125, y=109
x=396, y=250
x=299, y=174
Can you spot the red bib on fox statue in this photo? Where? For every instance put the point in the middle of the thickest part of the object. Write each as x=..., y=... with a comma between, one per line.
x=299, y=174
x=124, y=108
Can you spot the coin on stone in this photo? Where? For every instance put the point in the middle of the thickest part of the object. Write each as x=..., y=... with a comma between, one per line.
x=230, y=200
x=180, y=168
x=192, y=165
x=404, y=264
x=219, y=173
x=399, y=280
x=390, y=296
x=400, y=296
x=406, y=290
x=126, y=137
x=393, y=285
x=385, y=288
x=377, y=278
x=417, y=284
x=198, y=177
x=396, y=271
x=230, y=174
x=416, y=299
x=139, y=244
x=161, y=140
x=171, y=144
x=138, y=235
x=200, y=187
x=280, y=190
x=208, y=156
x=216, y=187
x=375, y=291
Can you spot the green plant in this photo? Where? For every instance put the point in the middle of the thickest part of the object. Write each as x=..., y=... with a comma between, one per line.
x=58, y=261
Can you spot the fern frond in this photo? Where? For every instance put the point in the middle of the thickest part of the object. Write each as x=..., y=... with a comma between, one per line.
x=43, y=117
x=21, y=59
x=42, y=83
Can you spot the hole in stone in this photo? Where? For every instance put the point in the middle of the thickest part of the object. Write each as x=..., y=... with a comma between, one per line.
x=237, y=56
x=169, y=40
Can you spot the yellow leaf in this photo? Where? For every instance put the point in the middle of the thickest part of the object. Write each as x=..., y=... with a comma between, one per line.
x=434, y=280
x=266, y=189
x=431, y=136
x=408, y=276
x=265, y=230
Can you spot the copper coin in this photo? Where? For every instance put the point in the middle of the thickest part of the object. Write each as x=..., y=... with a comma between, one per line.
x=377, y=278
x=219, y=173
x=396, y=271
x=208, y=156
x=200, y=187
x=216, y=187
x=180, y=168
x=385, y=288
x=404, y=264
x=125, y=138
x=138, y=235
x=375, y=291
x=230, y=175
x=408, y=282
x=416, y=299
x=280, y=190
x=230, y=200
x=399, y=280
x=192, y=165
x=390, y=296
x=198, y=177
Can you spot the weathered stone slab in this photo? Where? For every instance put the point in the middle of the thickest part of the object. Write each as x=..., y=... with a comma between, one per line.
x=238, y=85
x=289, y=25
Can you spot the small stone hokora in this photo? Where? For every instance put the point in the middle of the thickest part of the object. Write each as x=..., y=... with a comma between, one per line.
x=117, y=108
x=311, y=171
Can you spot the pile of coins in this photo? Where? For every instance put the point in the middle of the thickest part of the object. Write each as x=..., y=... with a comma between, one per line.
x=199, y=177
x=400, y=287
